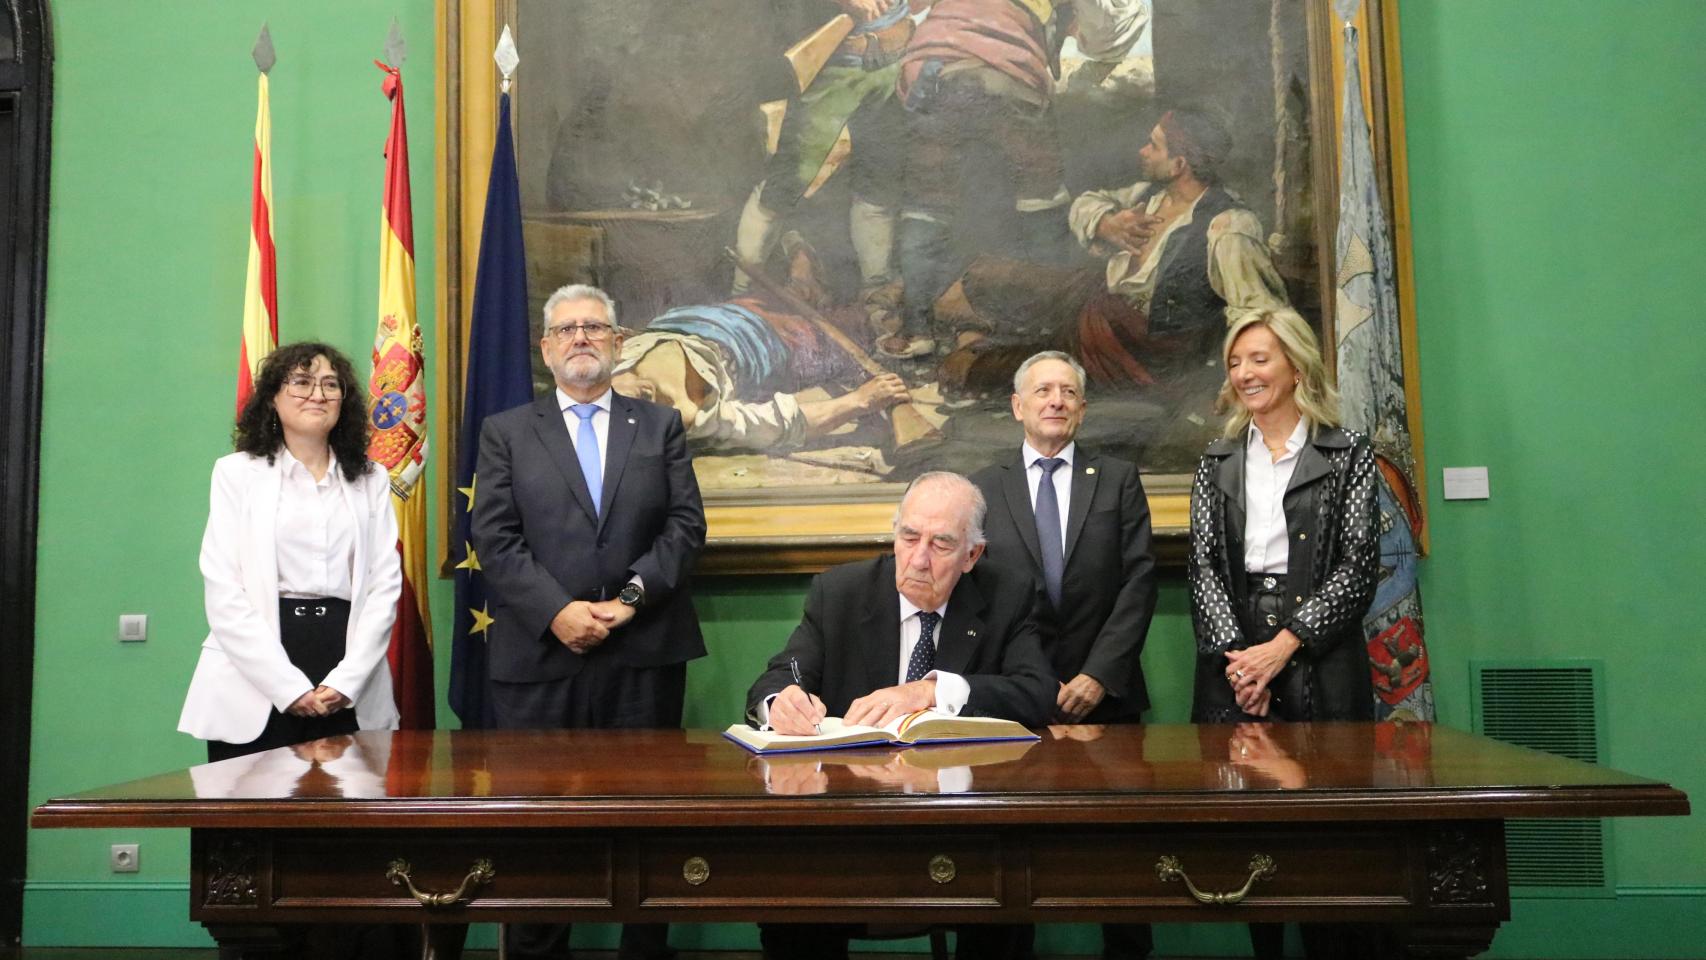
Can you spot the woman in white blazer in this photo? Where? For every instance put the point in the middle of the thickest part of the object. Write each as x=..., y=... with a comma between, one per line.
x=301, y=568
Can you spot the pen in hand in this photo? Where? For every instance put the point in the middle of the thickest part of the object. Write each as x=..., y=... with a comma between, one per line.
x=799, y=681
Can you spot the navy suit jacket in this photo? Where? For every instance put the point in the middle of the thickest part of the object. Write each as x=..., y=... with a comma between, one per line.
x=540, y=543
x=1108, y=588
x=848, y=642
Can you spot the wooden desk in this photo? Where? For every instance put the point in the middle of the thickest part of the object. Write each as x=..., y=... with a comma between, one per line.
x=1398, y=824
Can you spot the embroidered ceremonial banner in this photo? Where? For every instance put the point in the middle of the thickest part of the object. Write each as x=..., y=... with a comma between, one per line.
x=397, y=393
x=1371, y=391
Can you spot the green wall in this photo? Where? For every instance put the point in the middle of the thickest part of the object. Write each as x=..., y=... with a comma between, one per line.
x=1550, y=168
x=154, y=114
x=1553, y=149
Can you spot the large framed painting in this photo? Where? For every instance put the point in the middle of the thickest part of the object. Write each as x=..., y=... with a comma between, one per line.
x=833, y=228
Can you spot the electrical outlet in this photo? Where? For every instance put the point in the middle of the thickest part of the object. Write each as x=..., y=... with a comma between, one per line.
x=132, y=627
x=126, y=857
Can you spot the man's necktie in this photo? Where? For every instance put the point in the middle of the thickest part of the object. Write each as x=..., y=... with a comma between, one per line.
x=923, y=658
x=586, y=449
x=1048, y=530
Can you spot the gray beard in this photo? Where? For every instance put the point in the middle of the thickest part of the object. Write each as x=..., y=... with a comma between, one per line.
x=568, y=374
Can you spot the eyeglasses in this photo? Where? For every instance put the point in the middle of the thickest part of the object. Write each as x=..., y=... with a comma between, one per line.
x=302, y=388
x=565, y=333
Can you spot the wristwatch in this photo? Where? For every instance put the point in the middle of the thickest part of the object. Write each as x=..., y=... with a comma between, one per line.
x=632, y=594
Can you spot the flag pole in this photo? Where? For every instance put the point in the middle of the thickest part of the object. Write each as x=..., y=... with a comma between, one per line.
x=397, y=392
x=500, y=377
x=259, y=334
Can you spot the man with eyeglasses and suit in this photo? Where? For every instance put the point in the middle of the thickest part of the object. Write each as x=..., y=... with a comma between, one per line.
x=586, y=523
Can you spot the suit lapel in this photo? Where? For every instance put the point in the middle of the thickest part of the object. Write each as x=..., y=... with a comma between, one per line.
x=1016, y=489
x=260, y=555
x=881, y=622
x=958, y=638
x=1084, y=478
x=1311, y=466
x=618, y=442
x=1229, y=480
x=554, y=436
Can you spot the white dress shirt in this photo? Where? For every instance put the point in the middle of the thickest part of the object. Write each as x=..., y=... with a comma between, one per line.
x=1062, y=478
x=952, y=690
x=600, y=422
x=1267, y=546
x=600, y=429
x=315, y=532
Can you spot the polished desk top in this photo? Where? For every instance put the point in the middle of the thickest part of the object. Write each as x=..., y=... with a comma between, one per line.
x=1084, y=774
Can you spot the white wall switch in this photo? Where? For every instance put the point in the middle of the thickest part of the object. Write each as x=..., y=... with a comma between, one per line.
x=133, y=627
x=1466, y=483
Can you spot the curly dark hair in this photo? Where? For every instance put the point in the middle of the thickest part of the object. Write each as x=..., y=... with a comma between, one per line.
x=258, y=431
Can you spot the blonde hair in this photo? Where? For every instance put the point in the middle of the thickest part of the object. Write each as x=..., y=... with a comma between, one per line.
x=1315, y=397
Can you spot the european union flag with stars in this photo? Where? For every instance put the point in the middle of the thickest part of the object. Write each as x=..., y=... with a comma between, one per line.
x=500, y=376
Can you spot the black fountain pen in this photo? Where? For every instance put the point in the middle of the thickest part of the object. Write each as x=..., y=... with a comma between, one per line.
x=799, y=681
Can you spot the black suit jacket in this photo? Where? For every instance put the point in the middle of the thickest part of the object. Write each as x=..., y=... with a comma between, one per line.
x=1108, y=588
x=848, y=642
x=541, y=545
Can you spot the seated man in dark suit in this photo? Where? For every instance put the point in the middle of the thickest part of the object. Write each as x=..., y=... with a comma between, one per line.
x=924, y=628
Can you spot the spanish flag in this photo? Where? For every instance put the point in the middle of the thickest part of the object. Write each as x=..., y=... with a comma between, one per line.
x=397, y=393
x=260, y=291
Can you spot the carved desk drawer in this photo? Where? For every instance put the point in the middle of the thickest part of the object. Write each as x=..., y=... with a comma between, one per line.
x=288, y=870
x=806, y=869
x=1256, y=866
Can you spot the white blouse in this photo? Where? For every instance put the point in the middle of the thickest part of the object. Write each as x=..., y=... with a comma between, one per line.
x=315, y=532
x=1267, y=548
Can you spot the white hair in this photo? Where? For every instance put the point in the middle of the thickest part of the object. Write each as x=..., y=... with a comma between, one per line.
x=976, y=506
x=1036, y=358
x=579, y=291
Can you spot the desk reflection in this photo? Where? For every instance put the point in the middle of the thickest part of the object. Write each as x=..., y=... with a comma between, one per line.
x=340, y=766
x=931, y=769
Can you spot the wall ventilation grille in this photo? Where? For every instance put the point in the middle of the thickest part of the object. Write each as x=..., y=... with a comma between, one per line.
x=1555, y=707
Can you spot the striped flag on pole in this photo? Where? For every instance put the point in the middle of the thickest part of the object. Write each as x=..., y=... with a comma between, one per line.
x=398, y=396
x=260, y=290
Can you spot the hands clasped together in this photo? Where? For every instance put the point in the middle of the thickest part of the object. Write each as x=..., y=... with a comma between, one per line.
x=322, y=701
x=584, y=624
x=1249, y=671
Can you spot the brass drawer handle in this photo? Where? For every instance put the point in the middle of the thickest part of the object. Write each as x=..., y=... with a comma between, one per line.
x=1261, y=868
x=696, y=870
x=481, y=874
x=942, y=868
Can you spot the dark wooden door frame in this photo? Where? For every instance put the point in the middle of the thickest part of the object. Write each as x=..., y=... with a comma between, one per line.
x=26, y=98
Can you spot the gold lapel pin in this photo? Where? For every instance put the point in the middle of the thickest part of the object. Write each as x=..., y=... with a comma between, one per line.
x=971, y=633
x=1089, y=470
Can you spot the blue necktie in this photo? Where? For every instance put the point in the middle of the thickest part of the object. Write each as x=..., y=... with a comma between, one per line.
x=923, y=657
x=586, y=449
x=1048, y=530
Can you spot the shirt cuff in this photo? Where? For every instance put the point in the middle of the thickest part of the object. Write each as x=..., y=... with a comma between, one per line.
x=952, y=692
x=763, y=711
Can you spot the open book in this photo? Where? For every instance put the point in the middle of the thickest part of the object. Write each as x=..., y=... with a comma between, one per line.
x=920, y=727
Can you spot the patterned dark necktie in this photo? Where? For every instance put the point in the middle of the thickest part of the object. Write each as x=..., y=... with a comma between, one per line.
x=1048, y=530
x=923, y=658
